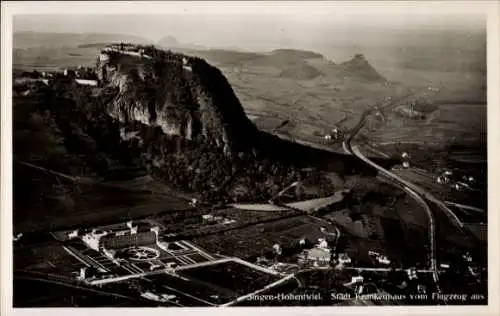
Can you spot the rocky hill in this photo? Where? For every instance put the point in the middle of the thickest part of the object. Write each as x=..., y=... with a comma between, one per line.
x=176, y=117
x=182, y=95
x=360, y=68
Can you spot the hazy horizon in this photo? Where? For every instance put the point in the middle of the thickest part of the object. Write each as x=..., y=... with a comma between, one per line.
x=262, y=32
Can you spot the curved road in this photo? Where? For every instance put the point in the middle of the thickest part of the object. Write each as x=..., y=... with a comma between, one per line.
x=403, y=184
x=414, y=191
x=346, y=145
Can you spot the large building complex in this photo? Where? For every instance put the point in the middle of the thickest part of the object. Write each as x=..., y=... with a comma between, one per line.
x=109, y=241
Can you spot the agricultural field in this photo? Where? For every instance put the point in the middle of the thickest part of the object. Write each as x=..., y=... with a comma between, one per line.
x=259, y=239
x=80, y=205
x=45, y=172
x=469, y=216
x=479, y=230
x=395, y=246
x=329, y=280
x=148, y=183
x=316, y=105
x=473, y=196
x=201, y=293
x=190, y=222
x=343, y=219
x=406, y=245
x=34, y=293
x=451, y=241
x=312, y=107
x=48, y=257
x=392, y=224
x=233, y=276
x=448, y=124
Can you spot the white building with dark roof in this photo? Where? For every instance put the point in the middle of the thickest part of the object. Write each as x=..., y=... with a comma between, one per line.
x=108, y=241
x=318, y=256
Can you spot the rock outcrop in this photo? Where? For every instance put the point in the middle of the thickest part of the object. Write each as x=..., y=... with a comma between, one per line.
x=184, y=96
x=359, y=67
x=188, y=98
x=174, y=117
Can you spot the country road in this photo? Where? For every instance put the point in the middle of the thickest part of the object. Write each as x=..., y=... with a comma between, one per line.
x=346, y=145
x=421, y=191
x=413, y=190
x=387, y=269
x=465, y=207
x=416, y=197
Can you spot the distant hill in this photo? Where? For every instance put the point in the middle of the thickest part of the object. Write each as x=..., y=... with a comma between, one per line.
x=292, y=63
x=170, y=42
x=39, y=39
x=296, y=53
x=301, y=72
x=359, y=67
x=304, y=65
x=93, y=45
x=284, y=58
x=56, y=50
x=226, y=57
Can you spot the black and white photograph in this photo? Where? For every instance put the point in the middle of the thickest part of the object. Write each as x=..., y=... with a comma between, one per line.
x=249, y=155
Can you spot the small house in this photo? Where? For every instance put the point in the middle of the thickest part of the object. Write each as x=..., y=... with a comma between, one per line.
x=357, y=279
x=344, y=258
x=383, y=260
x=318, y=256
x=444, y=265
x=412, y=273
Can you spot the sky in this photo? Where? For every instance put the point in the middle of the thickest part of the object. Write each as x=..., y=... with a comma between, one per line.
x=257, y=26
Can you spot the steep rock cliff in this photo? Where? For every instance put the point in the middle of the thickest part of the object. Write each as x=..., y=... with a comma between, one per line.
x=190, y=130
x=182, y=95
